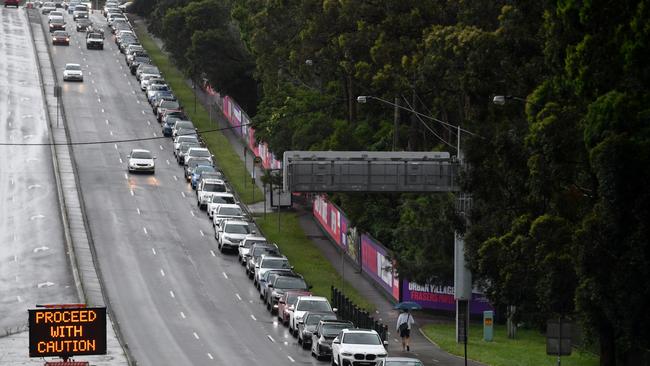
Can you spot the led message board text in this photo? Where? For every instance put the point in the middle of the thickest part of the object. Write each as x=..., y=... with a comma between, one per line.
x=67, y=332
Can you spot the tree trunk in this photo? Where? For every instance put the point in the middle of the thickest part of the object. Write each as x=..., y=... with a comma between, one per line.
x=511, y=324
x=607, y=345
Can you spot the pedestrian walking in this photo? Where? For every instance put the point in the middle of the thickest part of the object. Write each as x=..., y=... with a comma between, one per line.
x=404, y=322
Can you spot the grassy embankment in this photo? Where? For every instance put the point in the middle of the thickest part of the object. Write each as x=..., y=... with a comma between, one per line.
x=528, y=349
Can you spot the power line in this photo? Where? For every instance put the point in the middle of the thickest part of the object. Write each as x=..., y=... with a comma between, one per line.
x=427, y=126
x=114, y=141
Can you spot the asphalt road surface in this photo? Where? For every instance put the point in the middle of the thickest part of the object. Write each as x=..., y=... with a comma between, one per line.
x=33, y=262
x=177, y=299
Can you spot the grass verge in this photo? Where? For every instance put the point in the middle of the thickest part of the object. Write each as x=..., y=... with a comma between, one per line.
x=226, y=157
x=306, y=258
x=529, y=349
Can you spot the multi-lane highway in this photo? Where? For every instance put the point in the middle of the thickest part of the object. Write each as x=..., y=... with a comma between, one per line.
x=33, y=263
x=177, y=299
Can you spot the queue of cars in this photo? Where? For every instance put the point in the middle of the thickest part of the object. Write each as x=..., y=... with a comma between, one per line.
x=285, y=293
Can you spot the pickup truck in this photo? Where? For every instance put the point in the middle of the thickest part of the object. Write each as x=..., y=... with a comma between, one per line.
x=95, y=40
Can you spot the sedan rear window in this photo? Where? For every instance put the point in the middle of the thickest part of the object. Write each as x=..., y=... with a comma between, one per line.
x=214, y=187
x=222, y=199
x=290, y=283
x=232, y=211
x=169, y=104
x=275, y=263
x=314, y=305
x=201, y=153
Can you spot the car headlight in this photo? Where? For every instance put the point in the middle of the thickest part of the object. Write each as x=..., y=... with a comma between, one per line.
x=346, y=354
x=381, y=355
x=298, y=317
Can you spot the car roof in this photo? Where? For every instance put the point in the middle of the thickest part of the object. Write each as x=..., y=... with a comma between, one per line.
x=213, y=181
x=66, y=65
x=405, y=359
x=357, y=330
x=336, y=321
x=235, y=222
x=223, y=194
x=315, y=298
x=275, y=256
x=229, y=205
x=257, y=238
x=140, y=150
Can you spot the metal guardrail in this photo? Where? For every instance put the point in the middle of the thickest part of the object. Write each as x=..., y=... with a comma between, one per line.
x=347, y=310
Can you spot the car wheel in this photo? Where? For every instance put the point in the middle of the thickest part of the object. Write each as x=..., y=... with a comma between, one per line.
x=305, y=345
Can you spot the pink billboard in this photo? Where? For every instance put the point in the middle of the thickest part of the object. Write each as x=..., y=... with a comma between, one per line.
x=376, y=263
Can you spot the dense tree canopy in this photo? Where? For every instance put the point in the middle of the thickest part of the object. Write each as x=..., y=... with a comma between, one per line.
x=561, y=204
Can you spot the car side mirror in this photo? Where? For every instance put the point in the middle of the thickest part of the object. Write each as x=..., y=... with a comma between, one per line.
x=301, y=322
x=270, y=285
x=291, y=307
x=336, y=341
x=257, y=266
x=310, y=287
x=316, y=334
x=128, y=156
x=335, y=310
x=385, y=343
x=254, y=231
x=281, y=302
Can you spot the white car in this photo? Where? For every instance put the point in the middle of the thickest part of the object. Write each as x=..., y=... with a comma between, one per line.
x=178, y=140
x=231, y=233
x=73, y=72
x=218, y=199
x=303, y=305
x=199, y=152
x=245, y=247
x=267, y=263
x=226, y=211
x=54, y=14
x=48, y=7
x=206, y=189
x=353, y=346
x=140, y=160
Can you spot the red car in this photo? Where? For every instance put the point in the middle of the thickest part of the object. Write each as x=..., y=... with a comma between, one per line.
x=286, y=302
x=11, y=3
x=61, y=37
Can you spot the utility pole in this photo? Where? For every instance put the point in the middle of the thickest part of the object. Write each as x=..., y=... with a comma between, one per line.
x=396, y=124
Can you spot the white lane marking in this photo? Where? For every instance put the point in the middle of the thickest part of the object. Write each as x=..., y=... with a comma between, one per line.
x=162, y=272
x=15, y=258
x=92, y=81
x=132, y=193
x=253, y=317
x=171, y=293
x=19, y=298
x=115, y=144
x=155, y=135
x=201, y=232
x=142, y=111
x=175, y=177
x=36, y=217
x=107, y=122
x=12, y=181
x=40, y=249
x=270, y=338
x=212, y=252
x=434, y=360
x=111, y=132
x=99, y=100
x=195, y=335
x=161, y=147
x=167, y=161
x=209, y=355
x=291, y=359
x=238, y=297
x=225, y=275
x=103, y=110
x=45, y=284
x=148, y=123
x=137, y=101
x=182, y=315
x=153, y=250
x=126, y=176
x=183, y=194
x=34, y=186
x=192, y=212
x=145, y=230
x=137, y=209
x=95, y=91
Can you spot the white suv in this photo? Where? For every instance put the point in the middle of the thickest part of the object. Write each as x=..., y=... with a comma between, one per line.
x=206, y=189
x=303, y=305
x=231, y=233
x=226, y=211
x=358, y=346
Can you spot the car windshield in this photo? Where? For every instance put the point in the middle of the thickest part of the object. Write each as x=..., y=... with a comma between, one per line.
x=275, y=263
x=223, y=199
x=141, y=155
x=204, y=168
x=292, y=299
x=194, y=162
x=264, y=250
x=214, y=187
x=57, y=21
x=187, y=139
x=60, y=34
x=186, y=146
x=169, y=104
x=250, y=243
x=184, y=124
x=73, y=67
x=237, y=229
x=290, y=283
x=232, y=211
x=314, y=305
x=313, y=319
x=361, y=338
x=331, y=330
x=403, y=363
x=150, y=70
x=201, y=153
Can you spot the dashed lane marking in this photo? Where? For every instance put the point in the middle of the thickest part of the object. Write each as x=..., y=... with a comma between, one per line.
x=201, y=232
x=171, y=293
x=153, y=250
x=210, y=356
x=270, y=338
x=291, y=359
x=212, y=252
x=225, y=275
x=238, y=297
x=182, y=315
x=162, y=272
x=195, y=335
x=253, y=317
x=145, y=230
